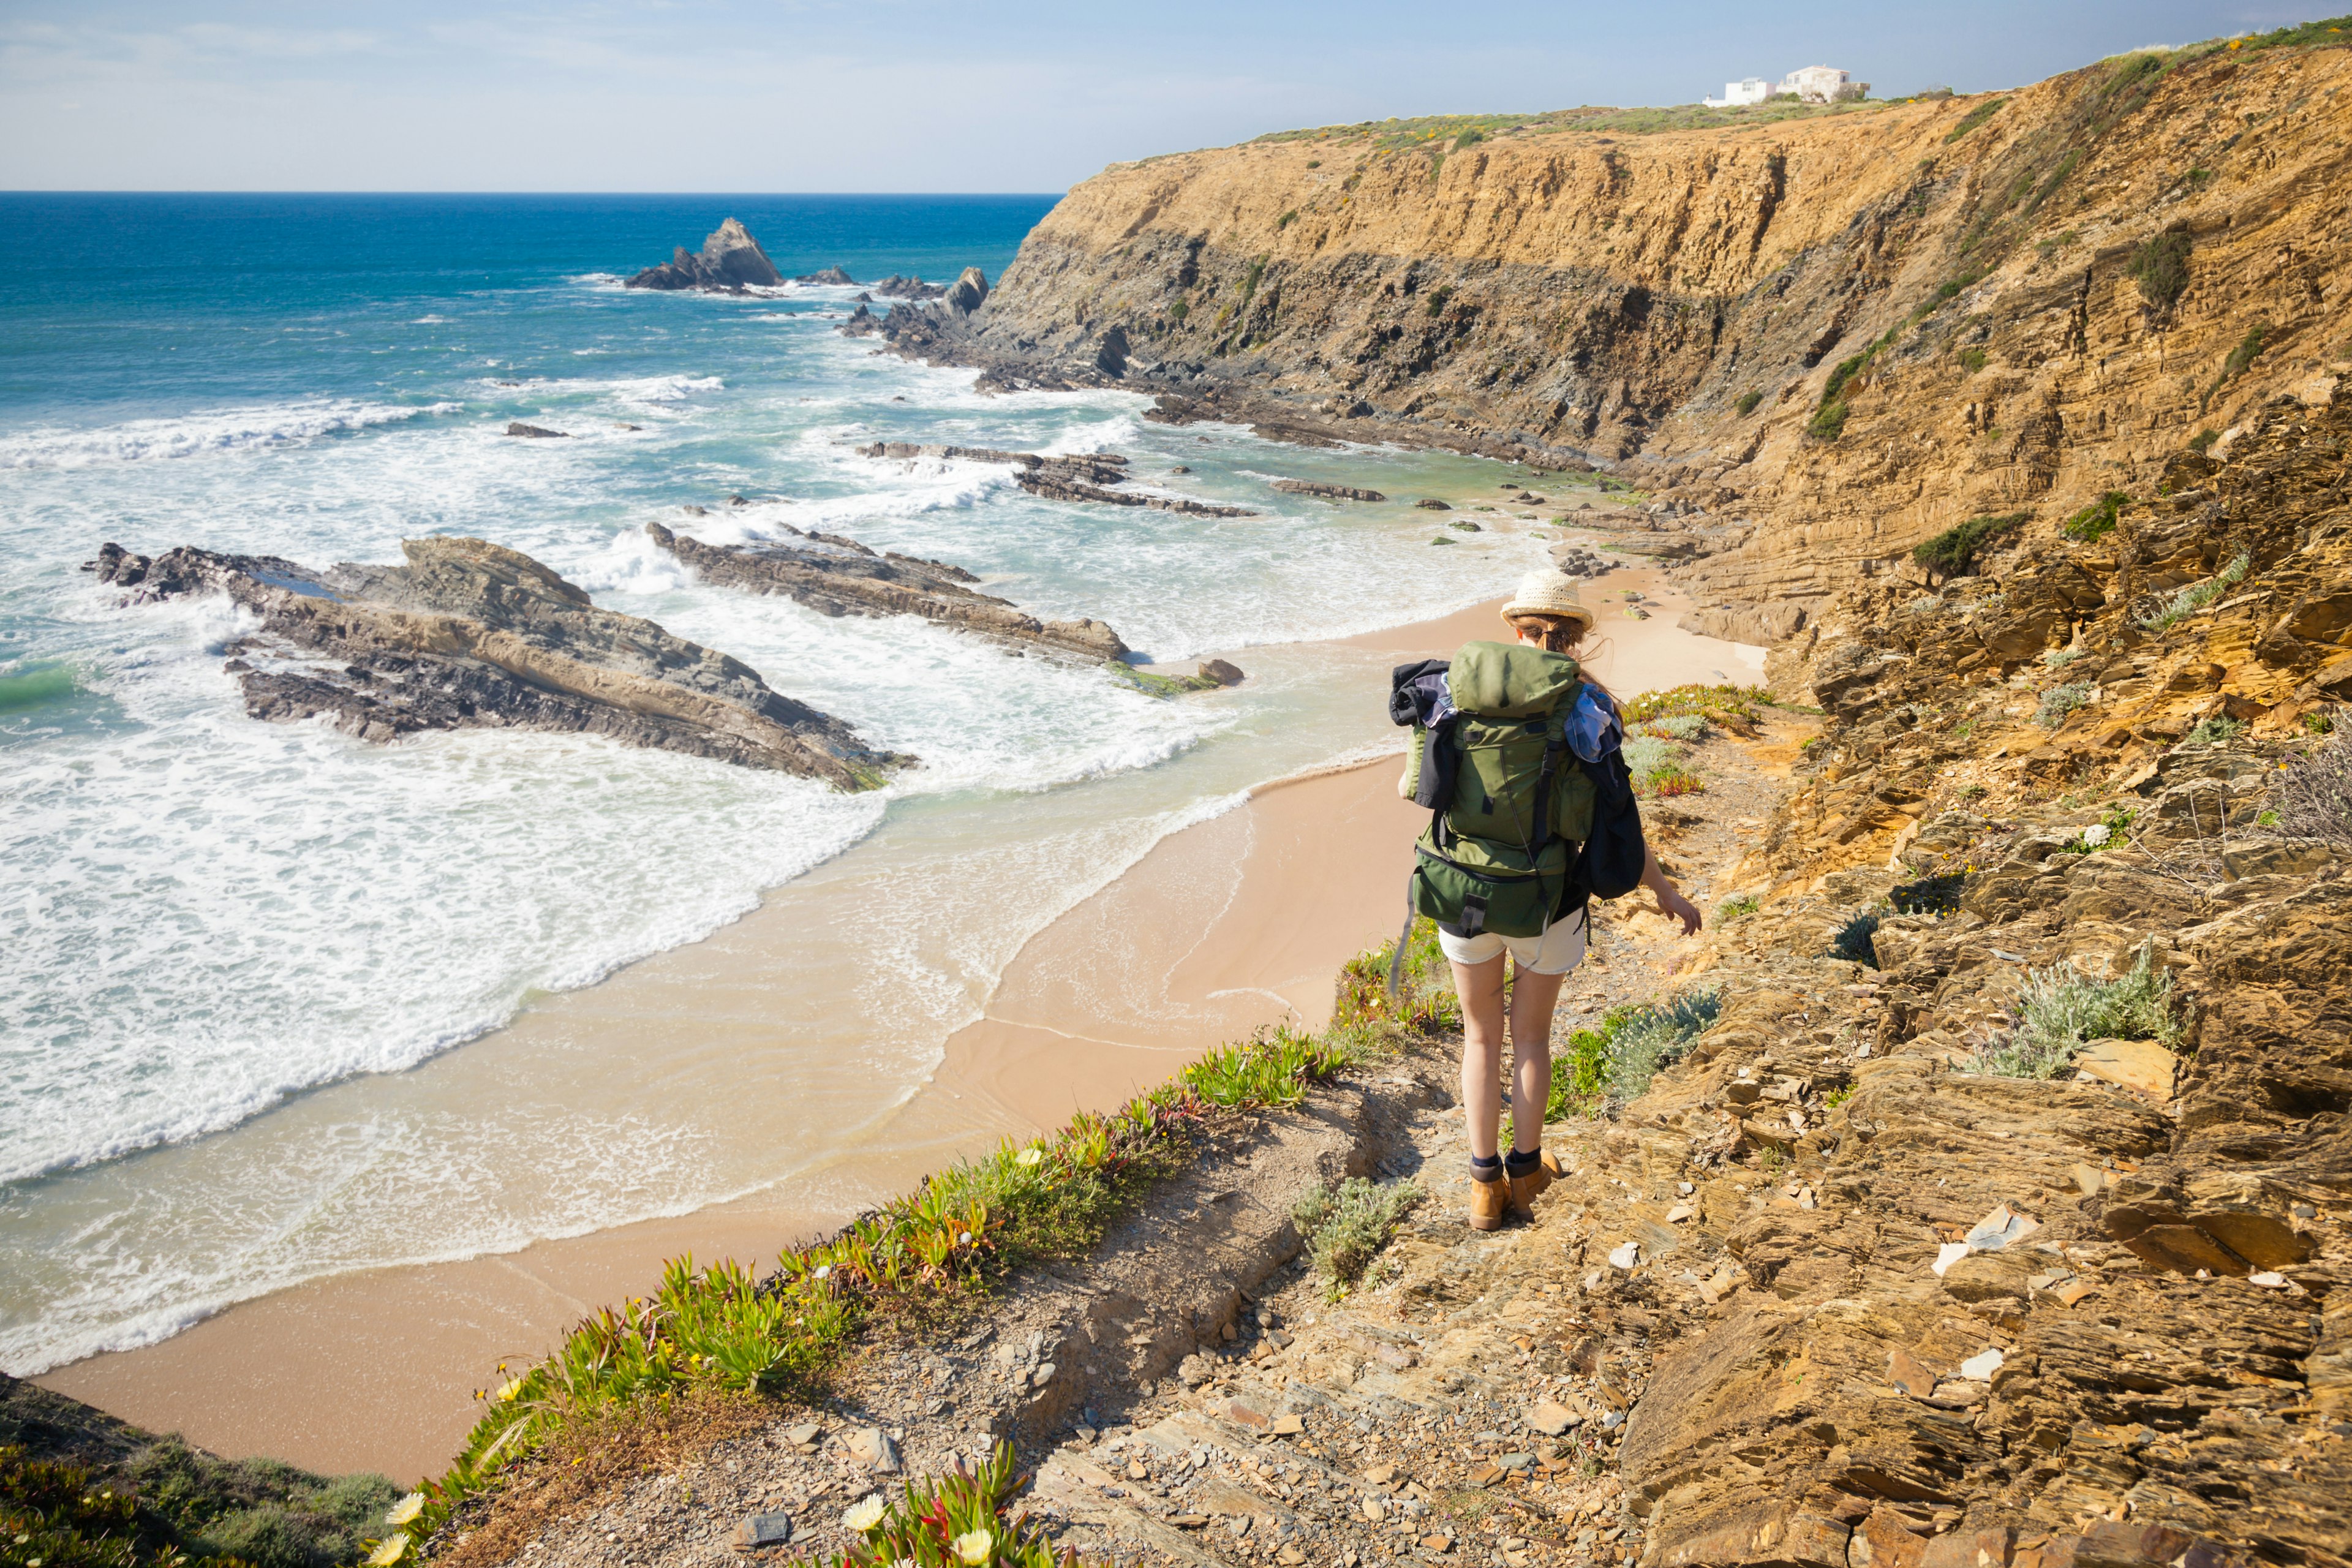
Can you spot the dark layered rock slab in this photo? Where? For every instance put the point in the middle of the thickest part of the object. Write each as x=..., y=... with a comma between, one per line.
x=1326, y=492
x=730, y=262
x=469, y=635
x=839, y=576
x=1080, y=478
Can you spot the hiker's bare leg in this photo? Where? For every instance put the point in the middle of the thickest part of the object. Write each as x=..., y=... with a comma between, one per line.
x=1533, y=997
x=1480, y=986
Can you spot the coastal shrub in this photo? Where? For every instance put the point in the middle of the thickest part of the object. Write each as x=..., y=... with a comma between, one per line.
x=1346, y=1224
x=2313, y=795
x=1953, y=553
x=1734, y=707
x=2095, y=521
x=1437, y=297
x=1180, y=309
x=1424, y=1004
x=1646, y=753
x=2319, y=723
x=1974, y=117
x=2161, y=267
x=1673, y=778
x=1747, y=402
x=1618, y=1059
x=2059, y=702
x=958, y=1519
x=1286, y=219
x=2203, y=440
x=1974, y=360
x=2248, y=350
x=2061, y=1008
x=2196, y=597
x=1687, y=727
x=1852, y=941
x=2059, y=657
x=2216, y=731
x=1738, y=907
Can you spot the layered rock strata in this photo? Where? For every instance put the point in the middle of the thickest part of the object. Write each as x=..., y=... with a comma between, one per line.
x=1953, y=1313
x=730, y=262
x=470, y=635
x=2012, y=301
x=839, y=576
x=1324, y=491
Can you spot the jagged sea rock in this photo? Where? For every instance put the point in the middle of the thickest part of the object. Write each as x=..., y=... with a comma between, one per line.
x=470, y=635
x=1327, y=493
x=539, y=431
x=830, y=278
x=839, y=576
x=969, y=292
x=897, y=287
x=729, y=262
x=1077, y=477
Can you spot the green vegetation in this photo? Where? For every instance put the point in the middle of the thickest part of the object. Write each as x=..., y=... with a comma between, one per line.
x=2196, y=597
x=2061, y=1008
x=1738, y=907
x=1732, y=707
x=2248, y=349
x=1975, y=359
x=718, y=1330
x=1617, y=1060
x=2095, y=521
x=2319, y=724
x=2059, y=657
x=1460, y=131
x=1249, y=284
x=2060, y=701
x=955, y=1521
x=173, y=1507
x=1953, y=553
x=2160, y=267
x=1286, y=219
x=1346, y=1224
x=1469, y=138
x=2215, y=731
x=1688, y=728
x=1437, y=297
x=1974, y=117
x=1747, y=402
x=2203, y=441
x=1180, y=309
x=1837, y=1097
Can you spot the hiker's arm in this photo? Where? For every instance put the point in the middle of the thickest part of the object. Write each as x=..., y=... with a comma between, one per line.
x=1671, y=901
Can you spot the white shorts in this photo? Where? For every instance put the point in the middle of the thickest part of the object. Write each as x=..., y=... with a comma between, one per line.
x=1556, y=952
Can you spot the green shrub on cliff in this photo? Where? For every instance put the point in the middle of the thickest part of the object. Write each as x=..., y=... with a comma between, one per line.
x=1346, y=1224
x=959, y=1520
x=1974, y=117
x=2095, y=521
x=1747, y=402
x=2060, y=701
x=1953, y=553
x=1617, y=1060
x=2171, y=612
x=2160, y=267
x=2061, y=1008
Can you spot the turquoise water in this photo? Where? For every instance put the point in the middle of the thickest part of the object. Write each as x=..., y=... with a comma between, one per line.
x=203, y=915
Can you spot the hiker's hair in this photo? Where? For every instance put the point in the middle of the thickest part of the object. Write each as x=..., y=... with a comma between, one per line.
x=1559, y=634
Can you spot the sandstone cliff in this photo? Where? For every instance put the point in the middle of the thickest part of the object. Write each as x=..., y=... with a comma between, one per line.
x=467, y=635
x=2047, y=291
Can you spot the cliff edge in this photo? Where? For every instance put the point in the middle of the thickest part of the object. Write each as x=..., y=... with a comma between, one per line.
x=1843, y=333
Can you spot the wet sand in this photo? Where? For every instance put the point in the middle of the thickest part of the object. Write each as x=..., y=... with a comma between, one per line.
x=1222, y=928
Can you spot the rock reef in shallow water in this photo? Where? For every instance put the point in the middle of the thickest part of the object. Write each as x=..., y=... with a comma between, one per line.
x=1077, y=477
x=470, y=635
x=839, y=576
x=730, y=262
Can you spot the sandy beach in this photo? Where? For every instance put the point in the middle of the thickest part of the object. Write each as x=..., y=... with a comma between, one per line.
x=1234, y=923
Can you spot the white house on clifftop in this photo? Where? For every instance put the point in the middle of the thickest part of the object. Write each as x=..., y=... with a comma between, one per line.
x=1809, y=84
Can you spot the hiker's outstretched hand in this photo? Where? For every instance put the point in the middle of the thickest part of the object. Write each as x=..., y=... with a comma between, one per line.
x=1677, y=907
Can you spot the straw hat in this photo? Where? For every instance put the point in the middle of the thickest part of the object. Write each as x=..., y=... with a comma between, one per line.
x=1547, y=592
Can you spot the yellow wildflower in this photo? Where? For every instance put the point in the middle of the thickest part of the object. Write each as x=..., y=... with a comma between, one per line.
x=975, y=1546
x=406, y=1509
x=864, y=1515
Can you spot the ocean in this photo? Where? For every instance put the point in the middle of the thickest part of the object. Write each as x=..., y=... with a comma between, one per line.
x=238, y=960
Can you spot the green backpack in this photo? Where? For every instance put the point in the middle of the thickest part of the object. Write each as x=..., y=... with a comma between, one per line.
x=1503, y=839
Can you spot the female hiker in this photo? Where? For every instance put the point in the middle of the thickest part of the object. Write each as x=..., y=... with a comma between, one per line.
x=1516, y=753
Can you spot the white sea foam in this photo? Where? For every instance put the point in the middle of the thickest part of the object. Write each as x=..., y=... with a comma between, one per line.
x=219, y=431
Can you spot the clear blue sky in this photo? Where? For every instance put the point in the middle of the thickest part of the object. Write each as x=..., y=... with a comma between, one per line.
x=907, y=95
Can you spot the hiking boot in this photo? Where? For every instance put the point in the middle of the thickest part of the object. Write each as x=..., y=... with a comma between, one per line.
x=1525, y=1188
x=1488, y=1200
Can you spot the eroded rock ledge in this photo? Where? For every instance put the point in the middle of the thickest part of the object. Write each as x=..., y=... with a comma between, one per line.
x=471, y=634
x=839, y=576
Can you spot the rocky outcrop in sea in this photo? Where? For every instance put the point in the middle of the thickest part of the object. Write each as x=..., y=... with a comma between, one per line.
x=469, y=635
x=1080, y=478
x=838, y=577
x=730, y=262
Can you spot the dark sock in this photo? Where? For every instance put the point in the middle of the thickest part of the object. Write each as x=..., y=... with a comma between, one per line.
x=1486, y=1170
x=1525, y=1164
